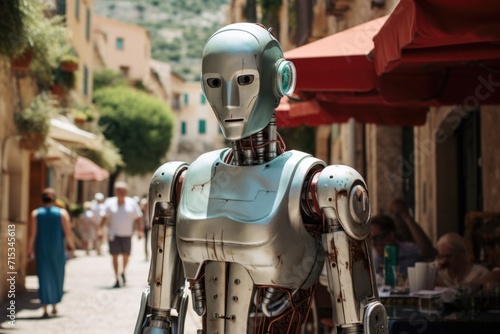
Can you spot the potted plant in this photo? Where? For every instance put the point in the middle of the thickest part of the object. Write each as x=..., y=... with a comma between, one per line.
x=32, y=39
x=13, y=24
x=50, y=42
x=80, y=117
x=33, y=122
x=58, y=90
x=63, y=82
x=83, y=116
x=68, y=63
x=22, y=62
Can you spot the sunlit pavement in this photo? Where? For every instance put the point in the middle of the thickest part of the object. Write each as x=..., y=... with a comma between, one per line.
x=89, y=304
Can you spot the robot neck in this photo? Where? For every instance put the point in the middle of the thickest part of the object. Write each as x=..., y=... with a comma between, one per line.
x=258, y=148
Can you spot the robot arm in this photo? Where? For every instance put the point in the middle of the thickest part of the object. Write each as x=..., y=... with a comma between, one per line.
x=166, y=278
x=341, y=194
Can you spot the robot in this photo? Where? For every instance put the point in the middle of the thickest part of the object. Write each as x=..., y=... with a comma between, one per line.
x=248, y=230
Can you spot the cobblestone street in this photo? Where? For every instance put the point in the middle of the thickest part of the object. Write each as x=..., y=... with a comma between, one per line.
x=89, y=304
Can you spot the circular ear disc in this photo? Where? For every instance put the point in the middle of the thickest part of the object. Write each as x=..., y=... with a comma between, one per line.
x=286, y=77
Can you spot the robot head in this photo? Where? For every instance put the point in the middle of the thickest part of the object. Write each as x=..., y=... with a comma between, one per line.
x=244, y=77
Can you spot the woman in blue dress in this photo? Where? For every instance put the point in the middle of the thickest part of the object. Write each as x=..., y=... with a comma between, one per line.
x=49, y=228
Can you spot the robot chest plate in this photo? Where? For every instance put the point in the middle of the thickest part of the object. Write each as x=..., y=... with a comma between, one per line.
x=242, y=195
x=248, y=215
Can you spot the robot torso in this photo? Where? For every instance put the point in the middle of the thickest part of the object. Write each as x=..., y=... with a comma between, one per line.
x=249, y=215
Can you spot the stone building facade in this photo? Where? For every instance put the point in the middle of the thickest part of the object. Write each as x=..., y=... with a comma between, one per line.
x=24, y=172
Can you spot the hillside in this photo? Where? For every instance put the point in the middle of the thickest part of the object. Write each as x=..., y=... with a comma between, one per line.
x=178, y=28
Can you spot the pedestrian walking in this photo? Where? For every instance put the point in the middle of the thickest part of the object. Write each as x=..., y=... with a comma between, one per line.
x=87, y=227
x=98, y=208
x=120, y=214
x=49, y=228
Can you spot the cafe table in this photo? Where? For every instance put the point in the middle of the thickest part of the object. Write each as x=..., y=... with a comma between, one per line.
x=425, y=312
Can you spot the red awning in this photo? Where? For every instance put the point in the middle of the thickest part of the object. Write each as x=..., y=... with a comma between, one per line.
x=339, y=62
x=310, y=113
x=440, y=52
x=426, y=53
x=315, y=113
x=336, y=80
x=86, y=170
x=423, y=31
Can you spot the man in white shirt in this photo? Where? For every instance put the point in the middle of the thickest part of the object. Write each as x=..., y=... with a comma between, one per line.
x=120, y=214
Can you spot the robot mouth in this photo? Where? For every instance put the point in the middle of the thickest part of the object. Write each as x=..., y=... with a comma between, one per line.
x=234, y=120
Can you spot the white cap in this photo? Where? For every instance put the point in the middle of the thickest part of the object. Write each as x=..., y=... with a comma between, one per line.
x=99, y=196
x=121, y=185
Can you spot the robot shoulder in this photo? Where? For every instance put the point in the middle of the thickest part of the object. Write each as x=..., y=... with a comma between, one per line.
x=166, y=181
x=342, y=194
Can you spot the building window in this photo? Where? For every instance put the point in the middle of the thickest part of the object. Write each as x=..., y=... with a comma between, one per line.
x=61, y=8
x=119, y=43
x=203, y=99
x=378, y=3
x=85, y=80
x=125, y=70
x=176, y=101
x=77, y=9
x=186, y=99
x=202, y=126
x=87, y=28
x=183, y=128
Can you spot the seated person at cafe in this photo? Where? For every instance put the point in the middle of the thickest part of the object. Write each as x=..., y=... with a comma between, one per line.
x=493, y=276
x=384, y=233
x=456, y=267
x=486, y=238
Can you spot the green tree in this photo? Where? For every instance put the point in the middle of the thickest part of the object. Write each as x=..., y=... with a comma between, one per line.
x=107, y=78
x=140, y=125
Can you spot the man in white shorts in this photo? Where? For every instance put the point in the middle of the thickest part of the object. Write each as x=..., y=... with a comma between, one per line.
x=120, y=214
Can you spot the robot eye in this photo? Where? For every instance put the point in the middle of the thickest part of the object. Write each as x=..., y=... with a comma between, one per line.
x=214, y=82
x=245, y=79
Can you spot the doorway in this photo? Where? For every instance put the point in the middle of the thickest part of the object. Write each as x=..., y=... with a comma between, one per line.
x=470, y=192
x=458, y=170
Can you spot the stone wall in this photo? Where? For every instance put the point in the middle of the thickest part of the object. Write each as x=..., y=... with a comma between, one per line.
x=16, y=90
x=425, y=176
x=384, y=165
x=6, y=100
x=6, y=133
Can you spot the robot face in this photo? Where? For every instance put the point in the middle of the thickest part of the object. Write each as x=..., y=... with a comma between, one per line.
x=243, y=77
x=232, y=88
